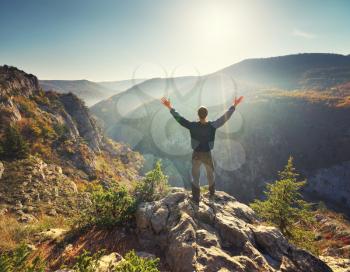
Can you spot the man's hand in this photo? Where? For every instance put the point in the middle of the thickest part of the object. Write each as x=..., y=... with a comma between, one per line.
x=237, y=101
x=166, y=103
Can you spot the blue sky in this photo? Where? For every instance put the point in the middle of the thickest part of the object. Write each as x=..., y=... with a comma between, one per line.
x=114, y=40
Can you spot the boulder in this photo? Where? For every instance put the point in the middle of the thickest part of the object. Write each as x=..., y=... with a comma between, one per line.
x=219, y=234
x=108, y=262
x=159, y=218
x=52, y=234
x=52, y=212
x=145, y=255
x=26, y=218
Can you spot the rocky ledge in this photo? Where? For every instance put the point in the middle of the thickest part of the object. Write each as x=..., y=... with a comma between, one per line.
x=219, y=234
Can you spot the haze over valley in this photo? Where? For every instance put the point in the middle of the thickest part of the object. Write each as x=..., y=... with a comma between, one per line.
x=292, y=107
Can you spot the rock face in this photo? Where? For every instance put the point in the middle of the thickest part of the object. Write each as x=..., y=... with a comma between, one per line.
x=21, y=98
x=12, y=79
x=221, y=234
x=65, y=147
x=85, y=124
x=322, y=183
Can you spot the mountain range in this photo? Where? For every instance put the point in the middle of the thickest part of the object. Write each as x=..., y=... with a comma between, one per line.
x=90, y=92
x=301, y=71
x=295, y=105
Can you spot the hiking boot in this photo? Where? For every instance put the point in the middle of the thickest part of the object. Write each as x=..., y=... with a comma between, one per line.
x=211, y=191
x=195, y=194
x=195, y=200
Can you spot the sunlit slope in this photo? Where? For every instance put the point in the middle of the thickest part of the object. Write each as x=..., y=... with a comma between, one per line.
x=313, y=70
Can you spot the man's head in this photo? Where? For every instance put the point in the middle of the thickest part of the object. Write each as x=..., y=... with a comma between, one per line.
x=202, y=113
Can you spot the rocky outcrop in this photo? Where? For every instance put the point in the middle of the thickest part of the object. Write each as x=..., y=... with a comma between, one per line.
x=9, y=111
x=53, y=234
x=20, y=93
x=65, y=145
x=106, y=263
x=85, y=124
x=14, y=81
x=219, y=234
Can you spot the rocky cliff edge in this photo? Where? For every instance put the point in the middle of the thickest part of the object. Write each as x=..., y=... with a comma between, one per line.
x=219, y=234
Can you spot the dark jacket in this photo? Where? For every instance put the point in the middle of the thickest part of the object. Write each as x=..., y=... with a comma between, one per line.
x=202, y=135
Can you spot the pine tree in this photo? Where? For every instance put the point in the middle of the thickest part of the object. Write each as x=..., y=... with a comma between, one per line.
x=153, y=186
x=14, y=145
x=284, y=206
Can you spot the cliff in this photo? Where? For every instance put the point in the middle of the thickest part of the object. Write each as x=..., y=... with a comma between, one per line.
x=65, y=149
x=221, y=234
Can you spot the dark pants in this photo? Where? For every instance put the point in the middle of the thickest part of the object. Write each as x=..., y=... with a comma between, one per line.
x=199, y=158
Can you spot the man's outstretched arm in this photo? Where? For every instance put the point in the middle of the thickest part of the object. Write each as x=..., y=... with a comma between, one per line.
x=181, y=120
x=227, y=115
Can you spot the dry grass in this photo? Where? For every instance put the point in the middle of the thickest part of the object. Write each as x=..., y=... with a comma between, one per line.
x=334, y=97
x=13, y=233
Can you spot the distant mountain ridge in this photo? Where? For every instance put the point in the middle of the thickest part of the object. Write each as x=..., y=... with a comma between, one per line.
x=298, y=71
x=121, y=84
x=307, y=70
x=89, y=91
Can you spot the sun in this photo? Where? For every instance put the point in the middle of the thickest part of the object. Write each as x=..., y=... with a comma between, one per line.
x=214, y=22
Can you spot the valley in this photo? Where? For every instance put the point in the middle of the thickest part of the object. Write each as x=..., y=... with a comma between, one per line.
x=303, y=119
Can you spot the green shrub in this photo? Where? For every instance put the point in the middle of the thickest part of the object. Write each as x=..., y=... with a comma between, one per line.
x=304, y=238
x=14, y=146
x=47, y=131
x=134, y=263
x=30, y=129
x=285, y=208
x=154, y=186
x=18, y=260
x=87, y=262
x=61, y=130
x=321, y=206
x=109, y=207
x=116, y=206
x=41, y=98
x=25, y=106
